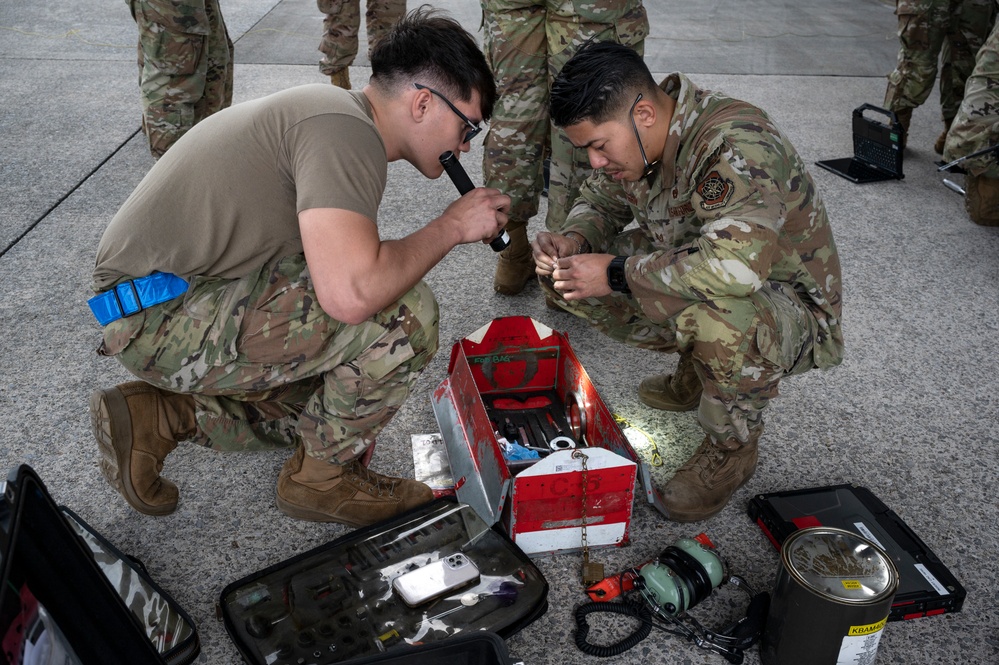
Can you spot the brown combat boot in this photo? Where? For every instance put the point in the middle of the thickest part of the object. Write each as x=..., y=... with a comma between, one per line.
x=341, y=78
x=905, y=119
x=981, y=199
x=705, y=483
x=938, y=145
x=310, y=489
x=679, y=391
x=136, y=426
x=515, y=265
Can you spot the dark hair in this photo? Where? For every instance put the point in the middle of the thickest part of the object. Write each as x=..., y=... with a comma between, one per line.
x=597, y=82
x=433, y=49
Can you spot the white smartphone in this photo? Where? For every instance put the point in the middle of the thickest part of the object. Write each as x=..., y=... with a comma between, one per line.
x=435, y=579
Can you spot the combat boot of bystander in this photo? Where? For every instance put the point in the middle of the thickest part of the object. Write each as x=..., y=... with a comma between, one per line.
x=706, y=482
x=679, y=391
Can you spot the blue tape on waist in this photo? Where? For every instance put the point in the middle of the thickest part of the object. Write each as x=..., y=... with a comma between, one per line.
x=136, y=295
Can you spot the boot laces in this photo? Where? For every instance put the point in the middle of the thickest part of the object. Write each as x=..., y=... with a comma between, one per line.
x=379, y=484
x=707, y=459
x=706, y=463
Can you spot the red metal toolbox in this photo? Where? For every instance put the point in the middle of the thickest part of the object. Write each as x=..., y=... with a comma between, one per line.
x=523, y=364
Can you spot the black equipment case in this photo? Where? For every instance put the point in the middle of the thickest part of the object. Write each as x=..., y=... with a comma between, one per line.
x=397, y=589
x=926, y=587
x=68, y=595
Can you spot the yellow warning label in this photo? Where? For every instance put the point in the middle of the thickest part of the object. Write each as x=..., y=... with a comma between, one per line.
x=852, y=584
x=868, y=629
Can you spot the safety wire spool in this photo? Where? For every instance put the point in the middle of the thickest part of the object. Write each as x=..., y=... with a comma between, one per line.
x=682, y=576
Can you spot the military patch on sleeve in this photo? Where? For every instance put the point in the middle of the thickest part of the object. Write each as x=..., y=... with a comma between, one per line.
x=715, y=191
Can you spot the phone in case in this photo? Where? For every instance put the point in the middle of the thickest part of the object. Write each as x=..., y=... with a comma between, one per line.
x=435, y=579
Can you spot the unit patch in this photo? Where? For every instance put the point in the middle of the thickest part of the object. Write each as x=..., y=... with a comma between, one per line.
x=715, y=191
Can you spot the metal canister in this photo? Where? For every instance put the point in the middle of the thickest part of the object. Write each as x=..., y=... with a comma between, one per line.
x=831, y=602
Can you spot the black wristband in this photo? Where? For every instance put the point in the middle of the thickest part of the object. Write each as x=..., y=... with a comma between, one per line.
x=615, y=275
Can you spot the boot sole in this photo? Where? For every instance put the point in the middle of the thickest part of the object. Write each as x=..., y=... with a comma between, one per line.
x=111, y=424
x=299, y=513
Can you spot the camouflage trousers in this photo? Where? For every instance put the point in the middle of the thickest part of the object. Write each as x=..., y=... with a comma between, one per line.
x=949, y=30
x=268, y=368
x=185, y=66
x=342, y=23
x=527, y=42
x=976, y=125
x=741, y=347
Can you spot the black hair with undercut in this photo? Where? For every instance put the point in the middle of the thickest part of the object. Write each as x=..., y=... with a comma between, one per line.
x=432, y=49
x=597, y=83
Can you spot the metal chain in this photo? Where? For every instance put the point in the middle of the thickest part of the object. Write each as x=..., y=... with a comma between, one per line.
x=578, y=454
x=592, y=571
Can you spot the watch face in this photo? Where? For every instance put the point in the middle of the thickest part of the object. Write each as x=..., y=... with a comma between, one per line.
x=615, y=275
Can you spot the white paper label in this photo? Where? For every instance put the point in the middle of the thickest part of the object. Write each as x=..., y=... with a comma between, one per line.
x=934, y=582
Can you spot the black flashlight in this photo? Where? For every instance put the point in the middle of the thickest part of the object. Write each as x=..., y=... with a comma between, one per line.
x=464, y=184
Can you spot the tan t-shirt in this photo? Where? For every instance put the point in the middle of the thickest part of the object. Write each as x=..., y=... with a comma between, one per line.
x=225, y=198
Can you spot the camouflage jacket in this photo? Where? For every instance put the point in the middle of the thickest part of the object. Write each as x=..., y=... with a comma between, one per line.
x=731, y=208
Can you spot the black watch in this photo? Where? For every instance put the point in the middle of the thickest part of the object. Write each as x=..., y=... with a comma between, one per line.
x=615, y=275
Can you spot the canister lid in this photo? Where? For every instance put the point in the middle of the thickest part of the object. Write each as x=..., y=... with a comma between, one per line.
x=840, y=565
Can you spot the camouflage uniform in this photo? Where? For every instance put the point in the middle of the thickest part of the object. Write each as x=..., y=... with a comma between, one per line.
x=733, y=259
x=268, y=367
x=953, y=30
x=185, y=66
x=343, y=20
x=527, y=42
x=976, y=125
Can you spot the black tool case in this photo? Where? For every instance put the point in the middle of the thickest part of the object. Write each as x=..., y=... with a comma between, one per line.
x=926, y=586
x=67, y=591
x=336, y=603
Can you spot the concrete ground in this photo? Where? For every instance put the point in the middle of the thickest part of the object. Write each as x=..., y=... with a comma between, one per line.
x=911, y=413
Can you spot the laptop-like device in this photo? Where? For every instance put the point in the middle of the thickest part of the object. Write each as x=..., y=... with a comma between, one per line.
x=56, y=606
x=926, y=586
x=877, y=147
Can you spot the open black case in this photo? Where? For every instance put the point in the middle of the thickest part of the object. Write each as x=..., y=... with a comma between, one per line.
x=341, y=601
x=926, y=585
x=69, y=596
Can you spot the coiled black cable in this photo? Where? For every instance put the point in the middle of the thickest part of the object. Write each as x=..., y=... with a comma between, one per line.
x=635, y=610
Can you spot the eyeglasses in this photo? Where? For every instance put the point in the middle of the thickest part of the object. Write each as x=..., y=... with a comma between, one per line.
x=473, y=128
x=649, y=168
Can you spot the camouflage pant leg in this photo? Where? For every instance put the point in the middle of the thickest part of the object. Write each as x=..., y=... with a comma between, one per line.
x=218, y=77
x=922, y=25
x=379, y=18
x=571, y=166
x=185, y=66
x=269, y=368
x=969, y=28
x=741, y=347
x=340, y=27
x=526, y=43
x=976, y=125
x=515, y=145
